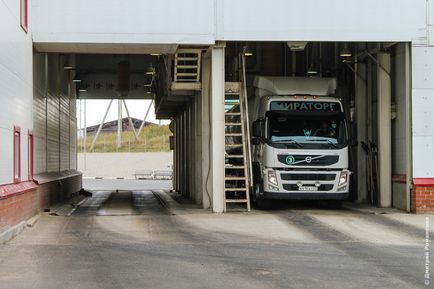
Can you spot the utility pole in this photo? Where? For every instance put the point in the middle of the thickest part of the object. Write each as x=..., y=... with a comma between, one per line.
x=118, y=136
x=85, y=134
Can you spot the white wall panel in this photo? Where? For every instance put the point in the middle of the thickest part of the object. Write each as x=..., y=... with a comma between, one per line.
x=331, y=20
x=423, y=111
x=120, y=21
x=15, y=88
x=205, y=21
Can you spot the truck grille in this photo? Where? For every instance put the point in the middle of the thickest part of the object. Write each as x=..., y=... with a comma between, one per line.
x=294, y=187
x=308, y=160
x=307, y=177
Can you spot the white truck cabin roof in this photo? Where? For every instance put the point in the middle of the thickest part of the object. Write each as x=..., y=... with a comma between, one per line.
x=276, y=85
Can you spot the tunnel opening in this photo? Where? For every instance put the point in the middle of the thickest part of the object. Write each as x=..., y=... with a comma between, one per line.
x=372, y=83
x=369, y=80
x=373, y=86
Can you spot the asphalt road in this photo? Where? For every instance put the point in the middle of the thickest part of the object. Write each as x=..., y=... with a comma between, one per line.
x=135, y=239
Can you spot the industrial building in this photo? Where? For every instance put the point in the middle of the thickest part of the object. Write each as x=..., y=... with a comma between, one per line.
x=184, y=55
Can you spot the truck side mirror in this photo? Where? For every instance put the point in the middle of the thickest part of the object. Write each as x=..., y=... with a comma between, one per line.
x=257, y=129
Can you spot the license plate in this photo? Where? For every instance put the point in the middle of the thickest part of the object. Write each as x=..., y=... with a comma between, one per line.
x=308, y=188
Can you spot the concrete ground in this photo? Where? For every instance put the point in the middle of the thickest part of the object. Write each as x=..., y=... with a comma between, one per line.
x=147, y=239
x=122, y=164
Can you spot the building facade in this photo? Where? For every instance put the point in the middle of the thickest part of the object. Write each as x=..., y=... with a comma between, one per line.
x=393, y=42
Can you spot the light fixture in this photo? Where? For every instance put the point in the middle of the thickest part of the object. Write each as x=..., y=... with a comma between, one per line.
x=155, y=54
x=82, y=90
x=247, y=51
x=150, y=70
x=345, y=52
x=68, y=66
x=76, y=80
x=312, y=70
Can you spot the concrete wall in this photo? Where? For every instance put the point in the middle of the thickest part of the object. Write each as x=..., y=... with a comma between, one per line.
x=16, y=95
x=204, y=22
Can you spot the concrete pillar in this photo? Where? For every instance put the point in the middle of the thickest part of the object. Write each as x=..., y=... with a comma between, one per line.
x=206, y=185
x=217, y=125
x=384, y=92
x=361, y=119
x=408, y=128
x=184, y=169
x=178, y=152
x=198, y=172
x=193, y=176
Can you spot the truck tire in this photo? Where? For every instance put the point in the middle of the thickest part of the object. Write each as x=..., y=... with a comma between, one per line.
x=334, y=204
x=263, y=204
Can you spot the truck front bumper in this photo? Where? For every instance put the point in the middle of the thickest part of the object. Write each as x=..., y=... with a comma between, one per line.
x=304, y=196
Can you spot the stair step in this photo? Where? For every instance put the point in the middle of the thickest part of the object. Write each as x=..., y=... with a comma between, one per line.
x=234, y=167
x=233, y=145
x=234, y=156
x=233, y=113
x=181, y=58
x=233, y=134
x=233, y=123
x=186, y=66
x=235, y=189
x=234, y=178
x=186, y=74
x=236, y=200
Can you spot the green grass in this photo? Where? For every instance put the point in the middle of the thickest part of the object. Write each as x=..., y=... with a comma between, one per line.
x=153, y=138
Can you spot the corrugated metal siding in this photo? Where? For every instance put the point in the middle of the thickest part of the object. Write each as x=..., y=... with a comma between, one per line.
x=73, y=129
x=64, y=132
x=39, y=114
x=54, y=129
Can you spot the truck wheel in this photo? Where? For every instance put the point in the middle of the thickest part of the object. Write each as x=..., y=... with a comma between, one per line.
x=334, y=204
x=263, y=204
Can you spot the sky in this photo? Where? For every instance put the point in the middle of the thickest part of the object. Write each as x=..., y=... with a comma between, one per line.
x=95, y=110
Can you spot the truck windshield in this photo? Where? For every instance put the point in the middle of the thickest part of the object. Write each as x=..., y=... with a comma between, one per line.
x=313, y=133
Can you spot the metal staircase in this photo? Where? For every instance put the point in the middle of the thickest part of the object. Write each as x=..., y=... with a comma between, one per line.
x=187, y=65
x=237, y=157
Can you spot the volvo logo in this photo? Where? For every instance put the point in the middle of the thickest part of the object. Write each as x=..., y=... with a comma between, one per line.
x=308, y=159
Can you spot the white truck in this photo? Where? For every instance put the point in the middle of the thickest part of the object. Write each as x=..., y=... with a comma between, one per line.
x=300, y=140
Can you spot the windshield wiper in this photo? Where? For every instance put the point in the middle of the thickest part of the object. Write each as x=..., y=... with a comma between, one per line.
x=326, y=140
x=290, y=141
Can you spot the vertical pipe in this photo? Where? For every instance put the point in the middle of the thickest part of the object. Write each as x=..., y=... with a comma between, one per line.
x=384, y=130
x=217, y=128
x=85, y=135
x=118, y=136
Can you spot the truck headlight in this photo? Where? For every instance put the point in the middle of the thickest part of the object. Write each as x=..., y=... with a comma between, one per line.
x=272, y=178
x=343, y=179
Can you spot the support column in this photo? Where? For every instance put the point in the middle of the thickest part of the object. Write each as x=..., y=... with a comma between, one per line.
x=198, y=171
x=361, y=118
x=118, y=136
x=384, y=93
x=206, y=185
x=217, y=125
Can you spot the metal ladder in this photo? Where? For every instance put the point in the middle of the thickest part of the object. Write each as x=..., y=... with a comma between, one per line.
x=187, y=65
x=237, y=160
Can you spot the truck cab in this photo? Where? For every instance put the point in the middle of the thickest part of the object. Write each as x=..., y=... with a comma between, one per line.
x=299, y=140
